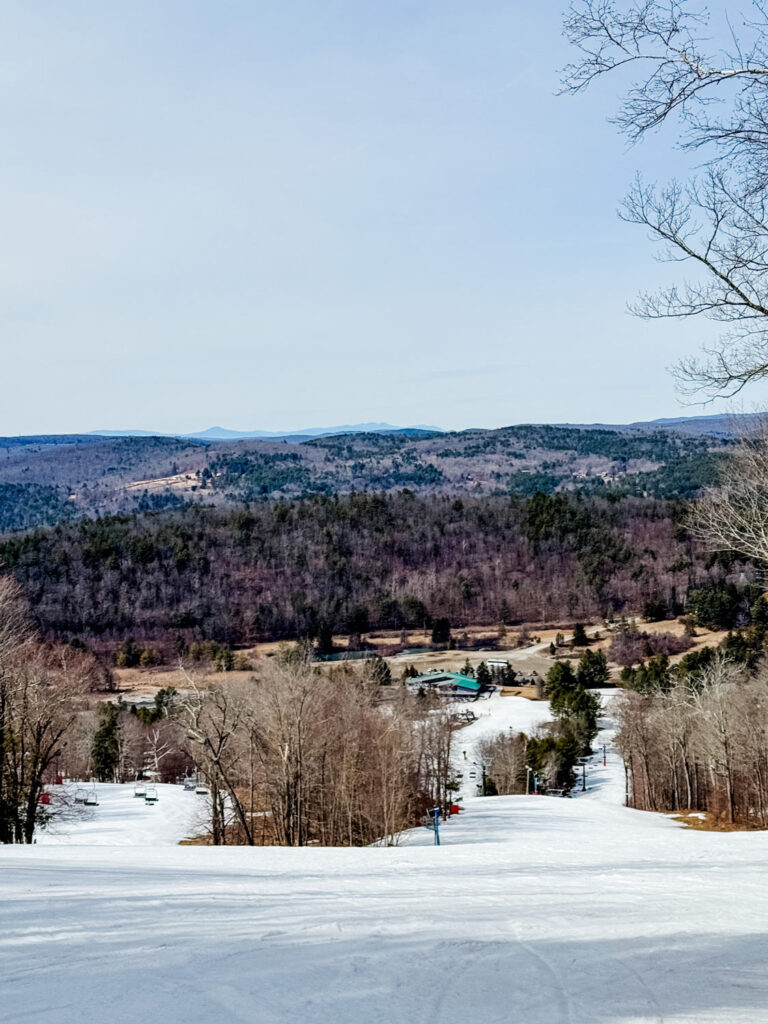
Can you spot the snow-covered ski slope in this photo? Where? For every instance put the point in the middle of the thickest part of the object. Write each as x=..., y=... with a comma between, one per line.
x=121, y=819
x=533, y=911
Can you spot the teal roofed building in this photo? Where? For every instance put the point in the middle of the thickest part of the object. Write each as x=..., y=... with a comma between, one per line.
x=447, y=684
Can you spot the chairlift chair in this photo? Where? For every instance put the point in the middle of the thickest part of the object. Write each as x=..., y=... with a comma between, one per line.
x=80, y=795
x=189, y=784
x=140, y=788
x=91, y=800
x=150, y=796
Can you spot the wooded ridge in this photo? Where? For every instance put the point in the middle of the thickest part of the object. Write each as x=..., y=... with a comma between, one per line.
x=350, y=563
x=47, y=480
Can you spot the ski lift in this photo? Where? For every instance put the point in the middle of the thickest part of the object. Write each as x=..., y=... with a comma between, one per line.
x=201, y=789
x=139, y=789
x=91, y=800
x=189, y=784
x=79, y=795
x=150, y=797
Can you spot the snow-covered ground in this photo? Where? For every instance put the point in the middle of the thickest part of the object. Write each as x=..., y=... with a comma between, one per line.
x=534, y=910
x=121, y=819
x=494, y=716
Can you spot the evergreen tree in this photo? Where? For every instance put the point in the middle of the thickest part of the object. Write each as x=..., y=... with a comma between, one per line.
x=580, y=638
x=508, y=675
x=441, y=631
x=379, y=671
x=593, y=670
x=561, y=681
x=324, y=639
x=759, y=612
x=654, y=610
x=649, y=677
x=484, y=677
x=575, y=707
x=224, y=659
x=129, y=654
x=105, y=748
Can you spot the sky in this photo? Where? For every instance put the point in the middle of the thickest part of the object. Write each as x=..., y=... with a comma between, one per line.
x=285, y=215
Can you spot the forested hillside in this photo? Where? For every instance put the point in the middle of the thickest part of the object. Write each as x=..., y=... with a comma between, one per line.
x=53, y=479
x=351, y=563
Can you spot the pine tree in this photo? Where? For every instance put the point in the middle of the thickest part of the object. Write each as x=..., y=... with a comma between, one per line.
x=105, y=748
x=484, y=677
x=593, y=670
x=441, y=631
x=580, y=638
x=379, y=671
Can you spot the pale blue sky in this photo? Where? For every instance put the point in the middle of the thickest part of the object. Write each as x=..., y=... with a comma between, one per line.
x=305, y=212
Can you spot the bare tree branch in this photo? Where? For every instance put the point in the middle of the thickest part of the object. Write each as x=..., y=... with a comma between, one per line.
x=717, y=222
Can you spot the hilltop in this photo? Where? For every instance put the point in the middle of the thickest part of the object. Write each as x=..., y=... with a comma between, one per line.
x=57, y=478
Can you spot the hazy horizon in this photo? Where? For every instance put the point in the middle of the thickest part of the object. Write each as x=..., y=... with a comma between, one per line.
x=373, y=426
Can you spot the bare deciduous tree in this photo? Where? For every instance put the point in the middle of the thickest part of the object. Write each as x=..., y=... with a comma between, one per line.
x=734, y=516
x=702, y=745
x=505, y=758
x=15, y=634
x=301, y=757
x=43, y=697
x=717, y=222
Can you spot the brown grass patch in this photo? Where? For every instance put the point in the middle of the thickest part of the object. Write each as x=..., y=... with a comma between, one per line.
x=700, y=821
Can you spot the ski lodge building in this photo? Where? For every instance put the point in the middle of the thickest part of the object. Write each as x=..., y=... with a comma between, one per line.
x=446, y=684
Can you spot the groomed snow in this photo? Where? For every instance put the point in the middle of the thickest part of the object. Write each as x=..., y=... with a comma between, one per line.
x=496, y=715
x=534, y=910
x=121, y=819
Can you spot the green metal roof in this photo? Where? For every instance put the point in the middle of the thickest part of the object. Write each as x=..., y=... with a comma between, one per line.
x=465, y=682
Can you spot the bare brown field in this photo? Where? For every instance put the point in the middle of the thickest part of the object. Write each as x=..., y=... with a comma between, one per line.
x=136, y=683
x=527, y=657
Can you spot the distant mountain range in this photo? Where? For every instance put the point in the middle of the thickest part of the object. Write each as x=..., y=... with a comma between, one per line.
x=719, y=425
x=53, y=478
x=223, y=434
